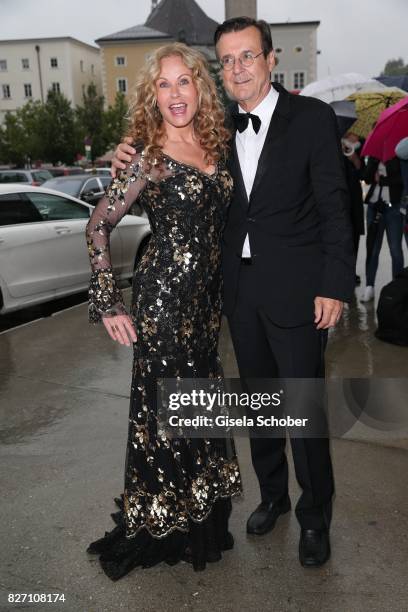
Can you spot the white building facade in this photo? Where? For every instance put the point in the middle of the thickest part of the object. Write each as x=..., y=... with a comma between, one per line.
x=295, y=46
x=29, y=68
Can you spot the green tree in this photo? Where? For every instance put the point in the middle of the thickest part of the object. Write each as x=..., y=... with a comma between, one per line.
x=395, y=67
x=30, y=116
x=115, y=122
x=57, y=125
x=90, y=121
x=21, y=138
x=12, y=140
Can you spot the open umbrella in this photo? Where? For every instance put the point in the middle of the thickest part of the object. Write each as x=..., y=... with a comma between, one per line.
x=340, y=86
x=401, y=150
x=398, y=80
x=369, y=106
x=346, y=114
x=392, y=126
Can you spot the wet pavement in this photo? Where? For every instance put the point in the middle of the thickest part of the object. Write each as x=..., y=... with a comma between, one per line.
x=64, y=390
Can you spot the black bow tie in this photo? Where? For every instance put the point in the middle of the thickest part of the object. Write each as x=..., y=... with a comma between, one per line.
x=241, y=121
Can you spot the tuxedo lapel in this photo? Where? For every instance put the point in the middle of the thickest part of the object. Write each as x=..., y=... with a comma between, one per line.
x=237, y=174
x=234, y=165
x=277, y=128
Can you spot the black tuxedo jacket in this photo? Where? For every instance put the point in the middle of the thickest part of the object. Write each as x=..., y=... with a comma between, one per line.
x=297, y=216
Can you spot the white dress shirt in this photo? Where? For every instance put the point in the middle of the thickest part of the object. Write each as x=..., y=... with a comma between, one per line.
x=249, y=146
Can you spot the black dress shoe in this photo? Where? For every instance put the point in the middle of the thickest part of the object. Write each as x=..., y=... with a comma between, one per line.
x=314, y=547
x=263, y=519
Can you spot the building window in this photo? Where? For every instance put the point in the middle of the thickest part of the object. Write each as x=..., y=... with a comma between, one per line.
x=298, y=80
x=25, y=63
x=81, y=65
x=279, y=77
x=54, y=62
x=92, y=69
x=56, y=87
x=3, y=65
x=120, y=60
x=28, y=92
x=122, y=85
x=298, y=49
x=6, y=92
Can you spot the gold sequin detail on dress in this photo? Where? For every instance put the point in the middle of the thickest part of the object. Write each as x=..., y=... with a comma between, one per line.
x=177, y=491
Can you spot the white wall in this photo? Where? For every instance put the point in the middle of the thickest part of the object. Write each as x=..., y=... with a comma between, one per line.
x=68, y=74
x=288, y=37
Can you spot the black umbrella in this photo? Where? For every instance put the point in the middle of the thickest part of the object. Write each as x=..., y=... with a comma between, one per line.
x=346, y=114
x=398, y=80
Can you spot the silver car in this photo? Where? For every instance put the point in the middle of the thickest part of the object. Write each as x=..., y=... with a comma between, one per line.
x=43, y=252
x=83, y=186
x=29, y=177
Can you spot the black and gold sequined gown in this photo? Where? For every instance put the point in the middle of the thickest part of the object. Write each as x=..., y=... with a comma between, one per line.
x=177, y=492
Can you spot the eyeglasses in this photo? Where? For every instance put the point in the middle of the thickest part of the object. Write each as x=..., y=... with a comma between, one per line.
x=246, y=59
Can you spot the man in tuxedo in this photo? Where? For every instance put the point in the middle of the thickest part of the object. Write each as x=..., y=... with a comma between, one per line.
x=288, y=261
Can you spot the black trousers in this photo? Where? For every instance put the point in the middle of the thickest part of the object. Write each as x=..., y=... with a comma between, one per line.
x=265, y=350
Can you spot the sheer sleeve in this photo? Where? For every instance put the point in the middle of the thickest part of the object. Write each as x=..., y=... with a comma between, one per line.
x=105, y=297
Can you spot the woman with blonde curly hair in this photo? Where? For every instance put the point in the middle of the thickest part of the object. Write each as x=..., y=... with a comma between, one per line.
x=177, y=495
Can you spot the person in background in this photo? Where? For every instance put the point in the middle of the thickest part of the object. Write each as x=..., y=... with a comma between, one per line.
x=385, y=184
x=355, y=168
x=401, y=151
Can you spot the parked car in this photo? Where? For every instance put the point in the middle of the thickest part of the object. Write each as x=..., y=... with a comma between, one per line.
x=64, y=170
x=43, y=253
x=30, y=177
x=87, y=188
x=99, y=171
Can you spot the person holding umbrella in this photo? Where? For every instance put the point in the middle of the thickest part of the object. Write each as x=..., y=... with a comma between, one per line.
x=383, y=216
x=355, y=168
x=383, y=173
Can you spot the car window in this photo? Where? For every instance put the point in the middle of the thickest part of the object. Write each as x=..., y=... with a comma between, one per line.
x=13, y=177
x=41, y=175
x=66, y=185
x=91, y=185
x=105, y=180
x=15, y=210
x=56, y=172
x=56, y=208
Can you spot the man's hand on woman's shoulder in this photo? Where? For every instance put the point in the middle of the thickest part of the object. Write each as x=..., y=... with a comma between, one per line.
x=122, y=156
